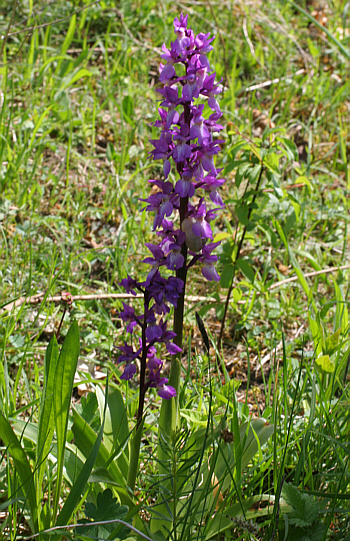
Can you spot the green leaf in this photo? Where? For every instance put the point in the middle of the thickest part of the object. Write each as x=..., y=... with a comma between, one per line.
x=272, y=162
x=116, y=431
x=73, y=459
x=70, y=35
x=226, y=276
x=246, y=269
x=38, y=126
x=84, y=439
x=249, y=440
x=77, y=489
x=223, y=235
x=128, y=109
x=241, y=173
x=242, y=214
x=22, y=467
x=306, y=507
x=66, y=43
x=107, y=508
x=66, y=367
x=237, y=294
x=46, y=418
x=290, y=147
x=332, y=342
x=254, y=173
x=325, y=364
x=342, y=313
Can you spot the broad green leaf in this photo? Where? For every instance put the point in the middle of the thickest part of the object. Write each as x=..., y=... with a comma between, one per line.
x=317, y=335
x=237, y=294
x=241, y=173
x=120, y=426
x=73, y=458
x=107, y=509
x=66, y=367
x=46, y=418
x=221, y=236
x=116, y=430
x=102, y=475
x=66, y=43
x=325, y=364
x=254, y=173
x=246, y=269
x=255, y=151
x=226, y=276
x=78, y=488
x=332, y=342
x=248, y=434
x=195, y=418
x=290, y=147
x=128, y=109
x=84, y=439
x=242, y=214
x=272, y=162
x=22, y=467
x=304, y=180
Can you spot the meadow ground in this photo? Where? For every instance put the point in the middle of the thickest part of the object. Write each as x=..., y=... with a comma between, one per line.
x=77, y=101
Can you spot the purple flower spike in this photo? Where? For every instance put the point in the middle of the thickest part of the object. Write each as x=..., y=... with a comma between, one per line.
x=188, y=146
x=128, y=316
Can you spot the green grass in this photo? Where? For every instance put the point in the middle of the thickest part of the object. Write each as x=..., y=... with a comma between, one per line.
x=77, y=99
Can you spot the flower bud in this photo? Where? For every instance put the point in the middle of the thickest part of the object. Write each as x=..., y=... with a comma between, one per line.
x=193, y=242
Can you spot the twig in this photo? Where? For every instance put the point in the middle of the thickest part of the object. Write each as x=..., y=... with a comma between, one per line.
x=89, y=524
x=308, y=275
x=238, y=253
x=36, y=299
x=4, y=38
x=271, y=82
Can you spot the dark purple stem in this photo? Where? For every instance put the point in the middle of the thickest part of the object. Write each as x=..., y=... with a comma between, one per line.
x=143, y=385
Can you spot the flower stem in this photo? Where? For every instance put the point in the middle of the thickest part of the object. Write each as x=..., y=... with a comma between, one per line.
x=135, y=442
x=238, y=253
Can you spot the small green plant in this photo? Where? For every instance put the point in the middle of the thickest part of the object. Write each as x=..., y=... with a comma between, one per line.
x=107, y=511
x=304, y=522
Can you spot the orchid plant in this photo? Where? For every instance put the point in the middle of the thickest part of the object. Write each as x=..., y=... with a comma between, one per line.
x=182, y=219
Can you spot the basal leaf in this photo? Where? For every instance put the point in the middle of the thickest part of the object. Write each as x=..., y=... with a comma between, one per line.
x=325, y=364
x=66, y=367
x=22, y=467
x=46, y=418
